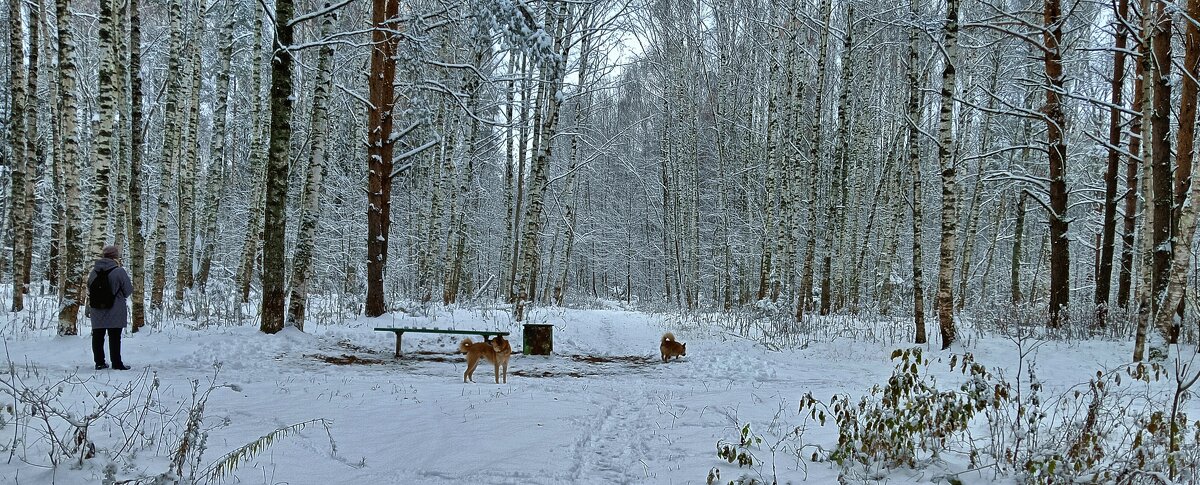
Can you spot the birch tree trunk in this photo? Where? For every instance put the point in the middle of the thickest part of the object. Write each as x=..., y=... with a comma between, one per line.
x=1182, y=242
x=258, y=167
x=275, y=220
x=214, y=190
x=379, y=148
x=18, y=148
x=530, y=257
x=914, y=163
x=72, y=267
x=947, y=164
x=972, y=219
x=189, y=163
x=168, y=168
x=1017, y=253
x=137, y=253
x=102, y=163
x=835, y=218
x=310, y=204
x=814, y=163
x=504, y=286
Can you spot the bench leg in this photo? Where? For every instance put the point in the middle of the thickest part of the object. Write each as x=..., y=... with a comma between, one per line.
x=398, y=336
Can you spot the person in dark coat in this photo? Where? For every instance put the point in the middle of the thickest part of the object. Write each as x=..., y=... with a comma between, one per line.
x=110, y=321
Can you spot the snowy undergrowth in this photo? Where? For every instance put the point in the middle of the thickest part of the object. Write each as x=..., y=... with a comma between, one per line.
x=331, y=405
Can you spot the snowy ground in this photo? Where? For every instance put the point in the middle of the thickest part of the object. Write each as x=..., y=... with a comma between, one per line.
x=604, y=409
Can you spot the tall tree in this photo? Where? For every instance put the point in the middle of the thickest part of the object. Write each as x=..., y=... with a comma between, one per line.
x=554, y=72
x=67, y=159
x=1060, y=260
x=188, y=164
x=275, y=221
x=1112, y=170
x=947, y=164
x=814, y=161
x=137, y=253
x=18, y=148
x=168, y=167
x=104, y=141
x=218, y=159
x=310, y=204
x=384, y=42
x=914, y=162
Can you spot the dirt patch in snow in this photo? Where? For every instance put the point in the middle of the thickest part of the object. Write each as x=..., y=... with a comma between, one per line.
x=347, y=359
x=614, y=359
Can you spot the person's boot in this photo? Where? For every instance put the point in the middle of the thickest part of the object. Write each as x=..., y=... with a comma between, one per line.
x=120, y=367
x=101, y=366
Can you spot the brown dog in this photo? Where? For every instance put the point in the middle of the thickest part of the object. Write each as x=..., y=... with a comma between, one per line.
x=497, y=351
x=670, y=348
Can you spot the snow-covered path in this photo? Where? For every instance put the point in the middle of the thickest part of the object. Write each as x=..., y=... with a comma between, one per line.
x=604, y=409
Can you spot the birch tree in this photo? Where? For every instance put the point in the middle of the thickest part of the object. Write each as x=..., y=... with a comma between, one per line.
x=914, y=163
x=310, y=204
x=189, y=164
x=137, y=254
x=554, y=73
x=947, y=164
x=168, y=167
x=18, y=148
x=216, y=173
x=67, y=159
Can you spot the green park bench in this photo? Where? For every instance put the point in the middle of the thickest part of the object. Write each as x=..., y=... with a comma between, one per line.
x=400, y=331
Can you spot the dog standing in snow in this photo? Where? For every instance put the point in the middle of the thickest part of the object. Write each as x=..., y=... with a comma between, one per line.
x=497, y=351
x=670, y=348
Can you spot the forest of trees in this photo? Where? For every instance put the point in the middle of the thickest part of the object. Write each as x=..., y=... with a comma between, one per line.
x=791, y=158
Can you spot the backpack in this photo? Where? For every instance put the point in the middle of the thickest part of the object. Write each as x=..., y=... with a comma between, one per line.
x=100, y=290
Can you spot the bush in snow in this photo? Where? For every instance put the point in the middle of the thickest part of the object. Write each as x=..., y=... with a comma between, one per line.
x=1124, y=426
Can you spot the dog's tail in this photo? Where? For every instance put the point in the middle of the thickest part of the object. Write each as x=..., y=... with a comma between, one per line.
x=464, y=345
x=668, y=336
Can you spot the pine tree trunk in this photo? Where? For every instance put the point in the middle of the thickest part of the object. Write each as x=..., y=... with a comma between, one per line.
x=1111, y=175
x=1180, y=261
x=214, y=190
x=1161, y=174
x=1060, y=261
x=914, y=163
x=311, y=199
x=275, y=220
x=379, y=149
x=72, y=267
x=1129, y=227
x=137, y=253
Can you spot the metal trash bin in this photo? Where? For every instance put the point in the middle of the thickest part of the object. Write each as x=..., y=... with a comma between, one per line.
x=538, y=339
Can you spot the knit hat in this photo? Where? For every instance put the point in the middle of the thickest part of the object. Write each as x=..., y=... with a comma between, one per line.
x=111, y=252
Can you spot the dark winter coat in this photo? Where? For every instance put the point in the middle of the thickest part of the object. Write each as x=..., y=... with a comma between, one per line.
x=118, y=279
